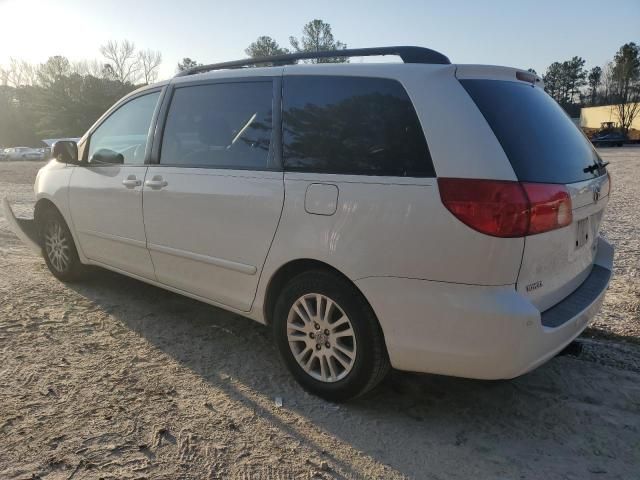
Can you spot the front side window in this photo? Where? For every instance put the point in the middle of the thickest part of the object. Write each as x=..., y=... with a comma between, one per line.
x=352, y=125
x=122, y=137
x=219, y=125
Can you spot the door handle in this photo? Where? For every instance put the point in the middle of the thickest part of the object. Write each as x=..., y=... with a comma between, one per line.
x=131, y=182
x=156, y=183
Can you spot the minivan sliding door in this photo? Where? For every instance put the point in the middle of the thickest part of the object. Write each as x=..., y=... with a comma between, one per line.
x=213, y=202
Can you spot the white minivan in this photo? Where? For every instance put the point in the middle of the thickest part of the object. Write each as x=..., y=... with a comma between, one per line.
x=421, y=215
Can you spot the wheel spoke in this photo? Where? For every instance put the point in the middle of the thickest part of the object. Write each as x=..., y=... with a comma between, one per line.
x=292, y=337
x=305, y=305
x=332, y=369
x=348, y=353
x=323, y=368
x=326, y=314
x=303, y=316
x=343, y=320
x=296, y=327
x=342, y=361
x=344, y=333
x=310, y=360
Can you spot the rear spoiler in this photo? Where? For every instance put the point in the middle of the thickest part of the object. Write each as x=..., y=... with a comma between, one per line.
x=491, y=72
x=24, y=228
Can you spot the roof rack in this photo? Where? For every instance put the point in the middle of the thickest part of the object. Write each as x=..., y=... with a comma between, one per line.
x=408, y=55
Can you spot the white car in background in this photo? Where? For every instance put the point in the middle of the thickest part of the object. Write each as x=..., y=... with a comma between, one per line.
x=425, y=216
x=23, y=153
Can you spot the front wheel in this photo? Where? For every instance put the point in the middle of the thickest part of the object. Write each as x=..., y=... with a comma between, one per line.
x=328, y=336
x=58, y=248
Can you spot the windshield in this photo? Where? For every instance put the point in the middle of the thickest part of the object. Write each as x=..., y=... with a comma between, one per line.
x=540, y=140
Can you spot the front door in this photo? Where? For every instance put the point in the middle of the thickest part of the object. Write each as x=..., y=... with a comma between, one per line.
x=212, y=204
x=105, y=194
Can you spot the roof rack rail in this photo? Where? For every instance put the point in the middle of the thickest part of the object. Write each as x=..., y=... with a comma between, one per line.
x=408, y=55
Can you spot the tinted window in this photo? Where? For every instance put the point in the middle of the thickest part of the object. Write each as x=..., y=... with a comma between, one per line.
x=540, y=140
x=226, y=125
x=124, y=132
x=352, y=125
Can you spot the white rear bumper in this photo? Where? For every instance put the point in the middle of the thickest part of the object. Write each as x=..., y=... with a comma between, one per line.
x=478, y=332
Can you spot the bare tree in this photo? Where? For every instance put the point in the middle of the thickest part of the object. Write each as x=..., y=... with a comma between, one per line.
x=606, y=83
x=95, y=68
x=52, y=70
x=4, y=77
x=149, y=61
x=15, y=75
x=122, y=59
x=626, y=84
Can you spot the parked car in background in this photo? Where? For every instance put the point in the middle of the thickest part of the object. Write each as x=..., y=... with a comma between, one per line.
x=3, y=155
x=610, y=139
x=609, y=135
x=23, y=153
x=334, y=203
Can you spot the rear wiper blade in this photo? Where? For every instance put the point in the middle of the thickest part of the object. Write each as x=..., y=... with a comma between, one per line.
x=594, y=167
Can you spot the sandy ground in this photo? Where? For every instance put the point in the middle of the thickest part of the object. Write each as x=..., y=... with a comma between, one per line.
x=117, y=379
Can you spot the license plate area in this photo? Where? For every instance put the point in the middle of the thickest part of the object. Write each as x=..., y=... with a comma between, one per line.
x=583, y=232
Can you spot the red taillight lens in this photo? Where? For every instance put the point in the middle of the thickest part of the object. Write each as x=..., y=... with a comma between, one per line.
x=550, y=207
x=506, y=208
x=494, y=207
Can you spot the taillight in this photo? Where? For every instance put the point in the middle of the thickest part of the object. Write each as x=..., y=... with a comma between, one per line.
x=549, y=207
x=506, y=208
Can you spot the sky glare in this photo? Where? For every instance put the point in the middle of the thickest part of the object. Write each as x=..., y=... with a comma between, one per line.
x=513, y=33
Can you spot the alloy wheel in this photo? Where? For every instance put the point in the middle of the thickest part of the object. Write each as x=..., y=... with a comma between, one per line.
x=321, y=338
x=57, y=247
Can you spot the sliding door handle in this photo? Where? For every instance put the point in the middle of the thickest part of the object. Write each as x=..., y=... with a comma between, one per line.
x=156, y=183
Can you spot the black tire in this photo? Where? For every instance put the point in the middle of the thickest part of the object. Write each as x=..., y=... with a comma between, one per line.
x=72, y=269
x=371, y=363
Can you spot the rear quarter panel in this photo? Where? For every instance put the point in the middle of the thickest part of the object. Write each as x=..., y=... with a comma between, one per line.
x=394, y=226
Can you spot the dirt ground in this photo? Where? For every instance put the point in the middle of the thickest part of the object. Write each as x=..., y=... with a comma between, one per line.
x=117, y=379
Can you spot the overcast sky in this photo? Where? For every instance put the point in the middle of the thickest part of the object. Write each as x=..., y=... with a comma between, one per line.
x=514, y=33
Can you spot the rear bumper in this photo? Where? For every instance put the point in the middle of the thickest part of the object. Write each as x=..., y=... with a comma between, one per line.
x=480, y=332
x=25, y=229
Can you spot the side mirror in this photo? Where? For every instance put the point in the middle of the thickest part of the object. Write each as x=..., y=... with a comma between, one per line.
x=105, y=155
x=65, y=151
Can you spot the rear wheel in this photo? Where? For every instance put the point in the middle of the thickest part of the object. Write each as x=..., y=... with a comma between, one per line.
x=328, y=336
x=58, y=248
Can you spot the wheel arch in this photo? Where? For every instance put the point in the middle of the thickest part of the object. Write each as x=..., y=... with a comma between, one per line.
x=42, y=205
x=289, y=270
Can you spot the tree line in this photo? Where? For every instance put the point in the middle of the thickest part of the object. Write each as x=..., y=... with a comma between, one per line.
x=617, y=83
x=60, y=98
x=317, y=36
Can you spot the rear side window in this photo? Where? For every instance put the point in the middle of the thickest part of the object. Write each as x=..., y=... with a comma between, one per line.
x=352, y=125
x=540, y=140
x=219, y=125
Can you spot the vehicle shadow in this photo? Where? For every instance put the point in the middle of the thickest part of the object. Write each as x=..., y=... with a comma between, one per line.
x=547, y=424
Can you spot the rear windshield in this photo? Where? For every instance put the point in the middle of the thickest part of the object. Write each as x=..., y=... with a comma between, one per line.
x=538, y=137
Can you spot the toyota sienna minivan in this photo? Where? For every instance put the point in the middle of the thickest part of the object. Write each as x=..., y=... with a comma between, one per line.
x=421, y=215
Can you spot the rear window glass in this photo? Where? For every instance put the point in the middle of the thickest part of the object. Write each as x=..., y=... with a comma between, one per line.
x=352, y=125
x=540, y=140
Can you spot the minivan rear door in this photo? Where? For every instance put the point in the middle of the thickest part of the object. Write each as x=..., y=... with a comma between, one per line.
x=213, y=197
x=544, y=146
